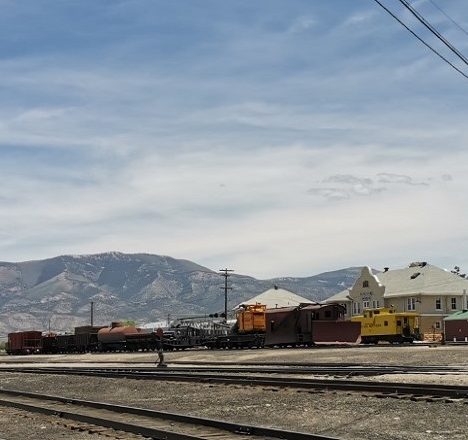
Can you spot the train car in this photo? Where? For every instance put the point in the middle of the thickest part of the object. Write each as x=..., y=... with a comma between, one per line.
x=49, y=343
x=384, y=324
x=66, y=343
x=182, y=337
x=251, y=319
x=114, y=338
x=309, y=325
x=456, y=326
x=86, y=338
x=28, y=342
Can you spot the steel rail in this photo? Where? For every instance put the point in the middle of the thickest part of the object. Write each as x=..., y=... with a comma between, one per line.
x=451, y=391
x=335, y=370
x=318, y=365
x=226, y=427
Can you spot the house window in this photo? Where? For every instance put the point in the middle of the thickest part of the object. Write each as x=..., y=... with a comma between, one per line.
x=356, y=308
x=375, y=304
x=365, y=283
x=453, y=303
x=345, y=307
x=438, y=304
x=437, y=325
x=411, y=303
x=365, y=304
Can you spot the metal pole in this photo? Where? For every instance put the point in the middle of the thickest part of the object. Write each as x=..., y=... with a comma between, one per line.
x=225, y=273
x=92, y=313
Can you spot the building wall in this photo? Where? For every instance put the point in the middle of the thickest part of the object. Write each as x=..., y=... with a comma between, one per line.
x=367, y=292
x=432, y=308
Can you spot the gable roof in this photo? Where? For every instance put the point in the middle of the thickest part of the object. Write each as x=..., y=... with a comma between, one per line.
x=422, y=279
x=276, y=298
x=340, y=296
x=427, y=280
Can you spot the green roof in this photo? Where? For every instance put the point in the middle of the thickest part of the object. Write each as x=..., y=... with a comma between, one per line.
x=457, y=316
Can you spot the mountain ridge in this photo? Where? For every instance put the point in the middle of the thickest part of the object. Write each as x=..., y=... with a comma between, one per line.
x=144, y=287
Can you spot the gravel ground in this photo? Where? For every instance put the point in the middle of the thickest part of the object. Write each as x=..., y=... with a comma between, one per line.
x=22, y=425
x=347, y=416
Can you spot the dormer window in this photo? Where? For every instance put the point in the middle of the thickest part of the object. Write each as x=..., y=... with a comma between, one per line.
x=365, y=283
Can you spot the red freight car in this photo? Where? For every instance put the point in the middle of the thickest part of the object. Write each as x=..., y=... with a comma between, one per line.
x=29, y=342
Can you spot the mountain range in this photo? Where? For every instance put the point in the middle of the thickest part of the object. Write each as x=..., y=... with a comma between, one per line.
x=57, y=292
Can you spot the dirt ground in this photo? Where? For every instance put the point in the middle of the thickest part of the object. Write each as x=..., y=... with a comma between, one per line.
x=344, y=415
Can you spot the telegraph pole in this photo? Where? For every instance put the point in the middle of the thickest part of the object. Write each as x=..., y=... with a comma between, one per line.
x=225, y=273
x=92, y=313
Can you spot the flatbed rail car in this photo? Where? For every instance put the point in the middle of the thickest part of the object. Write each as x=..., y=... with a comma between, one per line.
x=385, y=324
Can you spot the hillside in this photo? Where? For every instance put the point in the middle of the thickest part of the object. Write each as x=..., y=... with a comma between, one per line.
x=141, y=287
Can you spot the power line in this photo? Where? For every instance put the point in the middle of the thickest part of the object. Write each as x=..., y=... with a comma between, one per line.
x=448, y=16
x=431, y=28
x=421, y=40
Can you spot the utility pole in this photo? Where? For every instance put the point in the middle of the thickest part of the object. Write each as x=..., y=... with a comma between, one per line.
x=225, y=273
x=92, y=313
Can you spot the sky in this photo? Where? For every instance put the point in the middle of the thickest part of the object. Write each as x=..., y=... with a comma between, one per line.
x=275, y=138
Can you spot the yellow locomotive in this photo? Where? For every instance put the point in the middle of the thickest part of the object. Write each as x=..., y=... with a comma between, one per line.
x=384, y=324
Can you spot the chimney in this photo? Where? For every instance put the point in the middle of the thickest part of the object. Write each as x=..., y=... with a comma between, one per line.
x=275, y=287
x=385, y=269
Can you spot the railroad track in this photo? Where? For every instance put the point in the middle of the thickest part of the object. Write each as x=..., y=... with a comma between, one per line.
x=382, y=388
x=145, y=422
x=290, y=369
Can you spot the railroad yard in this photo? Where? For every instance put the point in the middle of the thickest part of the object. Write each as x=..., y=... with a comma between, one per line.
x=283, y=389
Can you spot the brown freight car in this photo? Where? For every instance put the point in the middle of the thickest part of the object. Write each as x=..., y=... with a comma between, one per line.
x=456, y=327
x=86, y=338
x=309, y=325
x=29, y=342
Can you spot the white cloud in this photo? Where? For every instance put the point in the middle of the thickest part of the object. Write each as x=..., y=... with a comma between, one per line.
x=281, y=147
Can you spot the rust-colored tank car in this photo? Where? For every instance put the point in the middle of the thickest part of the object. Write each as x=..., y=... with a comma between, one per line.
x=116, y=333
x=251, y=319
x=29, y=342
x=309, y=325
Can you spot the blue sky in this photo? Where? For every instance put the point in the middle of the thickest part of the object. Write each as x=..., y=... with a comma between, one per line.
x=277, y=138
